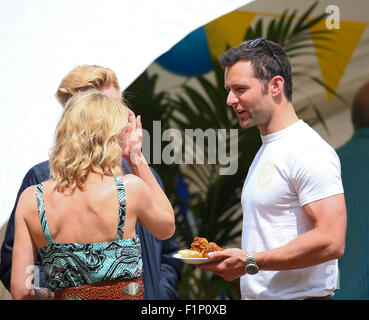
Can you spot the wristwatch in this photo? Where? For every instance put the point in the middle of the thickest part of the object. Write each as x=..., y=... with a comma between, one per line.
x=251, y=267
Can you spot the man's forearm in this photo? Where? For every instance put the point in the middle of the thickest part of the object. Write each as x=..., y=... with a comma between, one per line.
x=308, y=249
x=324, y=242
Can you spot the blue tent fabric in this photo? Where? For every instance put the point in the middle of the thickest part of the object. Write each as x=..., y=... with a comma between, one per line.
x=189, y=57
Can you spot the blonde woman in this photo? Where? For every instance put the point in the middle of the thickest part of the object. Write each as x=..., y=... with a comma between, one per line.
x=81, y=222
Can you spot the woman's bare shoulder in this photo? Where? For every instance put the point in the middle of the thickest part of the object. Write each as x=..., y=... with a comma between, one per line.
x=28, y=194
x=134, y=184
x=131, y=179
x=27, y=201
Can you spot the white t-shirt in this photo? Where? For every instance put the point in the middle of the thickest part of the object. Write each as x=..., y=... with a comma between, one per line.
x=293, y=167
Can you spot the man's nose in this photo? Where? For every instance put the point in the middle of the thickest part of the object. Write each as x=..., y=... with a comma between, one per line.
x=232, y=100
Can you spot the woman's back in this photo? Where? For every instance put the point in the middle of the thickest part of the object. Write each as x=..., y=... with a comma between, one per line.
x=84, y=216
x=84, y=237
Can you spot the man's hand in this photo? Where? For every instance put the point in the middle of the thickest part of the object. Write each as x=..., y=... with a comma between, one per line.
x=228, y=264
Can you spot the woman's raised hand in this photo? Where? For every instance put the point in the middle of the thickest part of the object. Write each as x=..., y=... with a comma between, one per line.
x=130, y=140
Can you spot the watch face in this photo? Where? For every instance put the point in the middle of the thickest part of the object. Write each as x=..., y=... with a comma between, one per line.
x=252, y=269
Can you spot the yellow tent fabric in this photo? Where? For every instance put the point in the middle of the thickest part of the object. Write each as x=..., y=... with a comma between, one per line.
x=230, y=30
x=344, y=42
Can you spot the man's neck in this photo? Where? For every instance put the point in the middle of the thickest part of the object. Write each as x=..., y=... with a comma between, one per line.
x=283, y=117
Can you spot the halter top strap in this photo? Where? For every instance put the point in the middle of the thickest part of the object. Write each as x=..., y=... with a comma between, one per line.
x=42, y=213
x=122, y=207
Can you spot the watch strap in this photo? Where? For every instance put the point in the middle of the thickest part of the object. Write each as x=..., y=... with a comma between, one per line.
x=250, y=258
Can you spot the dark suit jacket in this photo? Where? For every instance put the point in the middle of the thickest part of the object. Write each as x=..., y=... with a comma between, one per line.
x=161, y=270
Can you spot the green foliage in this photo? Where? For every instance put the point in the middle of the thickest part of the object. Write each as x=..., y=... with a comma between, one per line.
x=142, y=99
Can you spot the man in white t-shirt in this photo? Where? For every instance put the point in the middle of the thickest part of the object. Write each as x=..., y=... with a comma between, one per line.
x=294, y=214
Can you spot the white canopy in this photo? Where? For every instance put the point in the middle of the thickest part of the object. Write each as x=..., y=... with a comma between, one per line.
x=42, y=40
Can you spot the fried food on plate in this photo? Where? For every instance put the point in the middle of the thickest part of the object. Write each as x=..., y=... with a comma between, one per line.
x=200, y=248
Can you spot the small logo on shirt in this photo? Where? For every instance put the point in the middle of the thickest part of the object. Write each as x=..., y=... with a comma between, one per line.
x=266, y=174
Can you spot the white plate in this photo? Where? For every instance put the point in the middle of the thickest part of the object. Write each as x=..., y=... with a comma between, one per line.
x=192, y=260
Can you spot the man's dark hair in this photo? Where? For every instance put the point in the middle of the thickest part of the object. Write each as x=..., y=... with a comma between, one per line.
x=360, y=108
x=265, y=66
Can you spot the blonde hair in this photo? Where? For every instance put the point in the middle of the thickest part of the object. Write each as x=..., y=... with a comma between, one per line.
x=85, y=77
x=86, y=140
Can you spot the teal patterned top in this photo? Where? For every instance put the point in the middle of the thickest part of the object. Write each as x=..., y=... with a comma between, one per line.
x=73, y=264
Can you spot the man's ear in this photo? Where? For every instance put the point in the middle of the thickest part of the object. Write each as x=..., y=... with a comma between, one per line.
x=276, y=85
